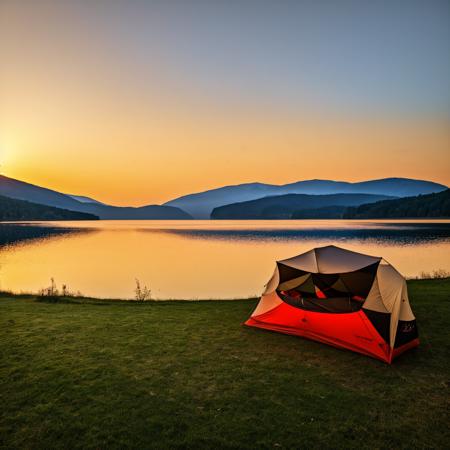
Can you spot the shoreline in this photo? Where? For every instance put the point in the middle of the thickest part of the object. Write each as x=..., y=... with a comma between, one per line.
x=91, y=300
x=81, y=299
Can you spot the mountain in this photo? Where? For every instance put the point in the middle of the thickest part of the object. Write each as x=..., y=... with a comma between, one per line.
x=200, y=205
x=327, y=212
x=285, y=206
x=422, y=206
x=83, y=199
x=12, y=209
x=394, y=187
x=9, y=187
x=148, y=212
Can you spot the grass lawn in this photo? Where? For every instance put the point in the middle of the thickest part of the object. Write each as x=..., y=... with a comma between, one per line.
x=98, y=374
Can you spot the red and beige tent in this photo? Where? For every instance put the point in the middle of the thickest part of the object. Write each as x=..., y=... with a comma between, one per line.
x=342, y=298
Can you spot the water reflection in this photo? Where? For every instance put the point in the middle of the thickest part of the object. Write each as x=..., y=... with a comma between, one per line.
x=11, y=233
x=203, y=259
x=399, y=233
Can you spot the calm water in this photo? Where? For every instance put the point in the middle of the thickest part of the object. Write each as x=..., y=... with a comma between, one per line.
x=198, y=259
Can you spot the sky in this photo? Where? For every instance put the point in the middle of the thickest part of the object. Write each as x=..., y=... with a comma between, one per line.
x=135, y=102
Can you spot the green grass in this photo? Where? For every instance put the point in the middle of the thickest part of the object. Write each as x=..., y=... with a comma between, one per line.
x=97, y=374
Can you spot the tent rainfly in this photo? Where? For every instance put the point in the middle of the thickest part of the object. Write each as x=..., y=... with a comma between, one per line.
x=341, y=298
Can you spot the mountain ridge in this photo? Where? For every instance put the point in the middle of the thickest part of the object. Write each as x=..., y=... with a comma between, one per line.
x=436, y=205
x=284, y=206
x=12, y=209
x=201, y=204
x=84, y=199
x=21, y=190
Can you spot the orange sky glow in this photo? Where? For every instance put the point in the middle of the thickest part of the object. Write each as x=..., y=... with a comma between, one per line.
x=122, y=123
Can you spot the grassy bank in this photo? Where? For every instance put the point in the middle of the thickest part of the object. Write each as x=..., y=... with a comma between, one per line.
x=187, y=375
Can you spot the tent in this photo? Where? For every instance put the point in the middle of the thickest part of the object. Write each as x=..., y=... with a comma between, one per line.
x=341, y=298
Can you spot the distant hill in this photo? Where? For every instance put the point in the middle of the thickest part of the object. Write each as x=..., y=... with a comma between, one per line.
x=16, y=210
x=155, y=212
x=83, y=199
x=327, y=212
x=20, y=190
x=200, y=205
x=422, y=206
x=17, y=189
x=284, y=206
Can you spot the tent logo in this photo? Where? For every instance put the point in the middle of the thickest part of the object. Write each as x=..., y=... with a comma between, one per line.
x=408, y=327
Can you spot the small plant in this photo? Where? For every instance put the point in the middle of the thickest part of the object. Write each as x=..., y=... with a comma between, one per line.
x=435, y=274
x=142, y=293
x=51, y=291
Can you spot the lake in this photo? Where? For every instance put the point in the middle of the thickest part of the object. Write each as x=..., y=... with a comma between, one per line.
x=198, y=259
